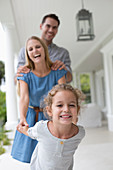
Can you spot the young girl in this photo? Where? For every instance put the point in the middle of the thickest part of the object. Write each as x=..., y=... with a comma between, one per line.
x=33, y=86
x=58, y=138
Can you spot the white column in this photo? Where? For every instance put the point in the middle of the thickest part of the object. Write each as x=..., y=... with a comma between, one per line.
x=92, y=85
x=74, y=82
x=108, y=69
x=100, y=89
x=11, y=103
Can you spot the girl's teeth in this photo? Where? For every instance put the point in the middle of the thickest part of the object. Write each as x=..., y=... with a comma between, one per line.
x=64, y=116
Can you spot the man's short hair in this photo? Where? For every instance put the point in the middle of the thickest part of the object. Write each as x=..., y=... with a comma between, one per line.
x=53, y=16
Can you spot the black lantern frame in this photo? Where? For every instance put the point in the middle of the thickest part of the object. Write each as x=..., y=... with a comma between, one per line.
x=84, y=23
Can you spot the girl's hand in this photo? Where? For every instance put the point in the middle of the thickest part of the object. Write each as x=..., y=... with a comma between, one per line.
x=21, y=124
x=23, y=129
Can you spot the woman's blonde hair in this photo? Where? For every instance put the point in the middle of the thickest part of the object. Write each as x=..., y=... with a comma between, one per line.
x=79, y=95
x=29, y=62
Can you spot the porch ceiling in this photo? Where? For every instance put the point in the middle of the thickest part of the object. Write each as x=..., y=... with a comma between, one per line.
x=85, y=56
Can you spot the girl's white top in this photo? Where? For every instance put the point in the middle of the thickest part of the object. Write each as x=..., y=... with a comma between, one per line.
x=52, y=153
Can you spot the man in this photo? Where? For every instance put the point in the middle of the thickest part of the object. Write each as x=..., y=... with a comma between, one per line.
x=58, y=55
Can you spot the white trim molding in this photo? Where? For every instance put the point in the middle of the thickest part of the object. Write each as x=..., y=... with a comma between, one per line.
x=107, y=51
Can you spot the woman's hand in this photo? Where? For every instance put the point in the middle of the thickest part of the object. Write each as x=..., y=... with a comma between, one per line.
x=58, y=64
x=21, y=124
x=22, y=69
x=23, y=128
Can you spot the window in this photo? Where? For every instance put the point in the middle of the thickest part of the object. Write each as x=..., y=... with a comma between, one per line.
x=84, y=84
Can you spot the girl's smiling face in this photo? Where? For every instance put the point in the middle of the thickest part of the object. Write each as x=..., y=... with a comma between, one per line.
x=35, y=51
x=64, y=107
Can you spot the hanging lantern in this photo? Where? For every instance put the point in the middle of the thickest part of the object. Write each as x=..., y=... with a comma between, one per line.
x=84, y=23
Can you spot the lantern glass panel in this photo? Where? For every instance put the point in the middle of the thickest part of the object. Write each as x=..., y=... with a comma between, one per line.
x=84, y=27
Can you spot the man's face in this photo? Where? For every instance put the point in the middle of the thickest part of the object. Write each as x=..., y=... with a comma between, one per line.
x=49, y=29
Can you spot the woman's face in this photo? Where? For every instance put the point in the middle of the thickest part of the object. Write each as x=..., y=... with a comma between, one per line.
x=35, y=51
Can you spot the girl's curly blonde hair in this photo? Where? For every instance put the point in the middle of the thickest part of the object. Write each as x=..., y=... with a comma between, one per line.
x=80, y=96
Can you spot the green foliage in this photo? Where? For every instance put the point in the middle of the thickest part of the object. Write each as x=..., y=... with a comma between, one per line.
x=3, y=106
x=3, y=137
x=85, y=86
x=2, y=71
x=2, y=150
x=4, y=140
x=85, y=83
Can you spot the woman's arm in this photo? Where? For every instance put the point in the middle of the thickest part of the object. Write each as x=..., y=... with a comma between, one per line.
x=23, y=103
x=60, y=64
x=62, y=80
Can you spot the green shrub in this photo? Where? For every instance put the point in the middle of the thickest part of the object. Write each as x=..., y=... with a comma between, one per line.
x=2, y=150
x=3, y=137
x=2, y=71
x=4, y=140
x=3, y=106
